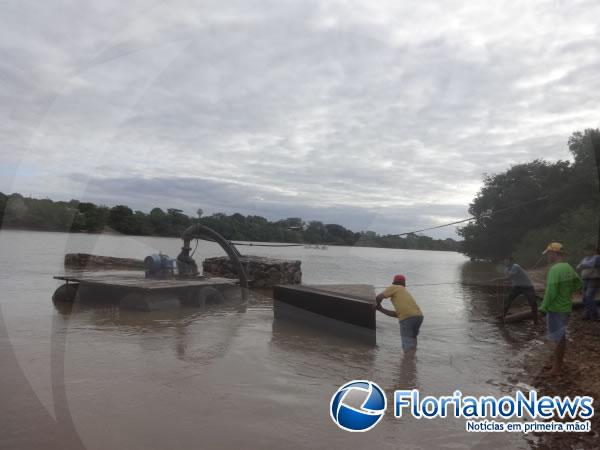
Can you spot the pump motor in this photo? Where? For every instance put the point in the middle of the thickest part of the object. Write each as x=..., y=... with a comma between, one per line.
x=159, y=266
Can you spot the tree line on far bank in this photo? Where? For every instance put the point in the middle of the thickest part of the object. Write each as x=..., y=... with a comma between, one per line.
x=21, y=212
x=523, y=208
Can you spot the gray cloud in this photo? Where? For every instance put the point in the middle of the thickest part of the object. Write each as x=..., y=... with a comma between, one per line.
x=382, y=114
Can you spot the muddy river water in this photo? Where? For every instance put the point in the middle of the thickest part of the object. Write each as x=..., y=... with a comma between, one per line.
x=226, y=377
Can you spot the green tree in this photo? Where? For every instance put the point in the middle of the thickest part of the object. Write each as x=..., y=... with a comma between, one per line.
x=315, y=232
x=118, y=218
x=94, y=217
x=530, y=197
x=15, y=210
x=3, y=200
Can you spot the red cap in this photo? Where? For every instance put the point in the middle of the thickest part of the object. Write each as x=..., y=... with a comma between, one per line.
x=400, y=279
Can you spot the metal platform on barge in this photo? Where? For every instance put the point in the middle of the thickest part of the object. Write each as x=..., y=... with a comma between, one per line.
x=136, y=280
x=131, y=290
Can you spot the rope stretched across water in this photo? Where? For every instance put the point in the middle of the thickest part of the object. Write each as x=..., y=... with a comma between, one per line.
x=484, y=283
x=267, y=245
x=250, y=244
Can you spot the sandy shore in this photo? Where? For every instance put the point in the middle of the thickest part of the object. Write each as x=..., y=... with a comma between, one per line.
x=581, y=376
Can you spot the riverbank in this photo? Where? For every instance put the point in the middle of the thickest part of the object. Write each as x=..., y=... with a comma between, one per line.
x=363, y=243
x=538, y=278
x=26, y=213
x=581, y=373
x=581, y=376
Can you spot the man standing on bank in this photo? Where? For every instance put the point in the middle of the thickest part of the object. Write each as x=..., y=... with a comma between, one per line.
x=520, y=284
x=590, y=273
x=406, y=311
x=561, y=282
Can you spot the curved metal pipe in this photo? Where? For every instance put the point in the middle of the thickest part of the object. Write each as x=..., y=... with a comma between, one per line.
x=198, y=230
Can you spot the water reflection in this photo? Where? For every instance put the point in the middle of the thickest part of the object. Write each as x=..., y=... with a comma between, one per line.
x=284, y=312
x=318, y=339
x=407, y=372
x=195, y=334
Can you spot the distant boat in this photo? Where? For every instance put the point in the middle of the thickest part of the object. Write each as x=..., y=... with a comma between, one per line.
x=315, y=246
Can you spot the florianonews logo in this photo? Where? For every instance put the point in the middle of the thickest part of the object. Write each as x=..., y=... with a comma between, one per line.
x=358, y=405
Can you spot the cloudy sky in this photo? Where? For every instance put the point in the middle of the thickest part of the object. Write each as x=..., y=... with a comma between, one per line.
x=377, y=115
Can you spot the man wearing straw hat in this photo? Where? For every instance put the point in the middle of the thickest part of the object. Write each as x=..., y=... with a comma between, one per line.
x=561, y=282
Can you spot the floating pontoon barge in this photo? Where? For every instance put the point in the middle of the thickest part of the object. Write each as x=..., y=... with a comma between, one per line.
x=133, y=291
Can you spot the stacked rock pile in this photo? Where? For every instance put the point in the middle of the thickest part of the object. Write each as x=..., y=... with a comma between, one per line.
x=262, y=272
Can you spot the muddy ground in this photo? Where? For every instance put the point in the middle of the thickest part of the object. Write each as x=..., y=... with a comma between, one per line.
x=581, y=376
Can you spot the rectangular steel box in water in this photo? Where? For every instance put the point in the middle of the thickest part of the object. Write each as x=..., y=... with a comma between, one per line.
x=346, y=309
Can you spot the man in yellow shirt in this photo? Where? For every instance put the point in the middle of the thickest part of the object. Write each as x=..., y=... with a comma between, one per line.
x=406, y=310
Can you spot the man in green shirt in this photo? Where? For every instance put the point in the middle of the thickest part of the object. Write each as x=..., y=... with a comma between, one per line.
x=561, y=282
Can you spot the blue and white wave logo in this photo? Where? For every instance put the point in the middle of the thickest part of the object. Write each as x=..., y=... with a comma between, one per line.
x=358, y=405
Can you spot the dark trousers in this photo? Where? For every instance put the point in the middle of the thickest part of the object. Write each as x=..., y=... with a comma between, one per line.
x=590, y=286
x=409, y=330
x=529, y=294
